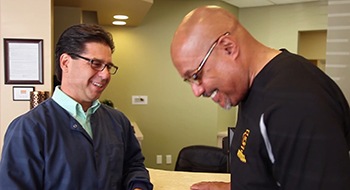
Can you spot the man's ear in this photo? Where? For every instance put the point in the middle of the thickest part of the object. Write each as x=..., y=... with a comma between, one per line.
x=229, y=46
x=64, y=60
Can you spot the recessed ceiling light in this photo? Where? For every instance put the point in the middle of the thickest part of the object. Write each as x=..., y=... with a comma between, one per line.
x=118, y=22
x=121, y=17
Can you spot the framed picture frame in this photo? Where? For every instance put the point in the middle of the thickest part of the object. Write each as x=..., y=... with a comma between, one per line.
x=22, y=93
x=23, y=61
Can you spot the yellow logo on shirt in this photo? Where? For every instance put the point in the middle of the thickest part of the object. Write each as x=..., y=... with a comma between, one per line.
x=240, y=152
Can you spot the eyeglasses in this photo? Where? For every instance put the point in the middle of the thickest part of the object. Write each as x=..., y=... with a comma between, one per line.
x=194, y=78
x=97, y=64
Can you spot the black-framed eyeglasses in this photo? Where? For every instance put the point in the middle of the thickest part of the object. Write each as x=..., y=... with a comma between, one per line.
x=194, y=77
x=98, y=65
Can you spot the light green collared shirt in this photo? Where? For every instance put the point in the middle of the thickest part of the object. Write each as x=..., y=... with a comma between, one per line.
x=75, y=109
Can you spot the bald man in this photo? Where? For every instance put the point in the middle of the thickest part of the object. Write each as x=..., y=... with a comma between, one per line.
x=293, y=123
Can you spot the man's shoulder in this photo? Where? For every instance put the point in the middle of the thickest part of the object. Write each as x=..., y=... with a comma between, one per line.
x=114, y=112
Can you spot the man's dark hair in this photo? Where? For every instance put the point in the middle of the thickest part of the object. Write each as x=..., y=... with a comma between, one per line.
x=74, y=38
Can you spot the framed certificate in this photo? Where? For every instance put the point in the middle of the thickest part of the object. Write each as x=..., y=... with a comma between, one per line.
x=23, y=61
x=22, y=93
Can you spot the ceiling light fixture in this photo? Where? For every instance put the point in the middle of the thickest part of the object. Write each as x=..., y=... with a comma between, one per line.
x=121, y=17
x=118, y=22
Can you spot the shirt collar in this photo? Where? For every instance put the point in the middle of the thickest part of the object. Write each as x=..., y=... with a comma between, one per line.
x=70, y=105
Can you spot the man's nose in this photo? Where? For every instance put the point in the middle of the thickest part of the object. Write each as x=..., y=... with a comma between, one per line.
x=104, y=73
x=197, y=89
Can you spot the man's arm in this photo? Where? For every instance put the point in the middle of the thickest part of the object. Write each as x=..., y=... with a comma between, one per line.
x=137, y=176
x=21, y=163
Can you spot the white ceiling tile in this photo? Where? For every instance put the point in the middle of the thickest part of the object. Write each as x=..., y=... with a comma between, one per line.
x=258, y=3
x=248, y=3
x=291, y=1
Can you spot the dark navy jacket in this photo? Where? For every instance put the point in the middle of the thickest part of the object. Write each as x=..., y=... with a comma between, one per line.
x=46, y=148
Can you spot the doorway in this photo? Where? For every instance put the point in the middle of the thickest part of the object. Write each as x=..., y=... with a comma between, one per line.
x=312, y=45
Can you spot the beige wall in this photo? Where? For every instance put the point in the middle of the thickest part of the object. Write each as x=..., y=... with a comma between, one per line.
x=312, y=44
x=65, y=17
x=29, y=20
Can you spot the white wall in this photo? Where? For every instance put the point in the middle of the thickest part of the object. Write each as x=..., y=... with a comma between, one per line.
x=28, y=20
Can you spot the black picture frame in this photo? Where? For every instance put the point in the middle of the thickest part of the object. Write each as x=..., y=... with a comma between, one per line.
x=22, y=93
x=23, y=61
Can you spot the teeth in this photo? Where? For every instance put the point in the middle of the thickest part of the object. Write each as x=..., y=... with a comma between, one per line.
x=97, y=84
x=213, y=94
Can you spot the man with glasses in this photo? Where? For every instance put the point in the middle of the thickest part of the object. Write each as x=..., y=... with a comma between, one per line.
x=293, y=126
x=72, y=141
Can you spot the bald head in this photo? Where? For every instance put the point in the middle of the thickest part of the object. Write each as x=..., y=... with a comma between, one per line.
x=199, y=29
x=214, y=52
x=208, y=21
x=202, y=26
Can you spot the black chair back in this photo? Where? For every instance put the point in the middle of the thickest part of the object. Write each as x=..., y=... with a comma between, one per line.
x=202, y=158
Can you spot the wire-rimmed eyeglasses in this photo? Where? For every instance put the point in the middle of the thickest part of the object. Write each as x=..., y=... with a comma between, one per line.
x=194, y=77
x=98, y=65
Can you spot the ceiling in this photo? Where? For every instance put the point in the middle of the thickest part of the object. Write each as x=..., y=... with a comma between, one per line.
x=258, y=3
x=137, y=9
x=106, y=9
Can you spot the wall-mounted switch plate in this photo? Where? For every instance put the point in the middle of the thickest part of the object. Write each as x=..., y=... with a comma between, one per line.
x=159, y=159
x=168, y=159
x=139, y=100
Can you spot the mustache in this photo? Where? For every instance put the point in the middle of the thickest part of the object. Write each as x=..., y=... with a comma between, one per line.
x=211, y=94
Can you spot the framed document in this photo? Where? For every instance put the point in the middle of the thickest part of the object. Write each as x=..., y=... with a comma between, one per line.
x=23, y=61
x=22, y=93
